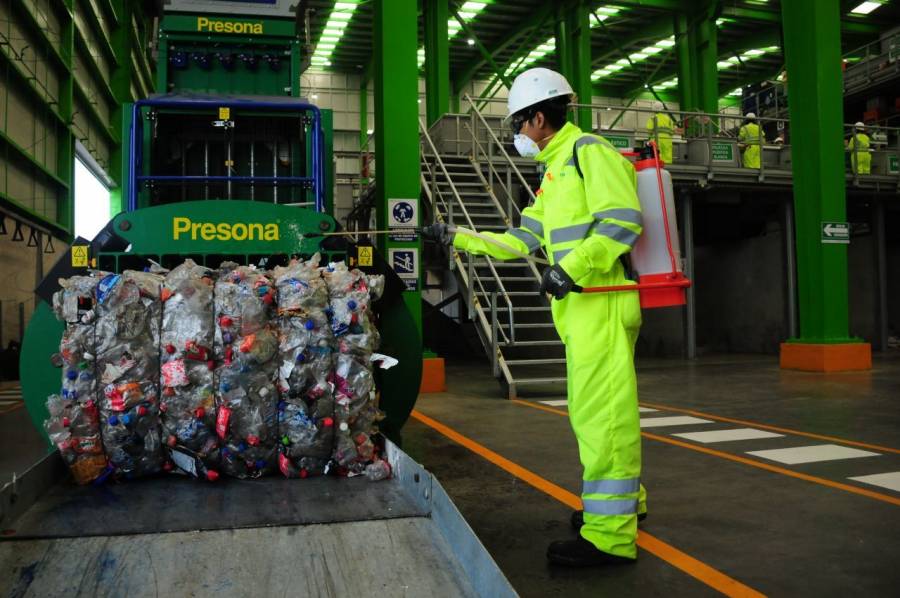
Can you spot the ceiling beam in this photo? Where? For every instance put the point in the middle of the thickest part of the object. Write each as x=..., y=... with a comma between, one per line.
x=518, y=31
x=654, y=31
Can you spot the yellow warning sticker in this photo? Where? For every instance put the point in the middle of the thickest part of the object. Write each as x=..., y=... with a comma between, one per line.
x=79, y=256
x=365, y=255
x=224, y=113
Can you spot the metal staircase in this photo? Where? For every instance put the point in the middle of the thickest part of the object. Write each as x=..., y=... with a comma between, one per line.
x=471, y=181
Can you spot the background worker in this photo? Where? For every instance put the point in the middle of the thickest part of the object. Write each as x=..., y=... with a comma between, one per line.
x=660, y=127
x=858, y=144
x=750, y=138
x=587, y=215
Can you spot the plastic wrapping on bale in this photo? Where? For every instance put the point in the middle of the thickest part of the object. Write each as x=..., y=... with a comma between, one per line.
x=128, y=312
x=356, y=336
x=74, y=424
x=188, y=402
x=306, y=414
x=247, y=345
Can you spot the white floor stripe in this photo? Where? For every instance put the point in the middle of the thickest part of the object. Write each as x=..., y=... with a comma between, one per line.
x=647, y=410
x=556, y=403
x=812, y=454
x=891, y=481
x=728, y=435
x=675, y=420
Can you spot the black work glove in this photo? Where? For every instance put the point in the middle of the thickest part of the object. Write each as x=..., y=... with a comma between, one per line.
x=556, y=282
x=438, y=233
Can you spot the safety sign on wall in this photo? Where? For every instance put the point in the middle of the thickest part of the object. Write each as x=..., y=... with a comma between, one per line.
x=836, y=232
x=403, y=218
x=364, y=255
x=405, y=262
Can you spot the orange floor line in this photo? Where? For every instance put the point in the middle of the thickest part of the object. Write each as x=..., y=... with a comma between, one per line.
x=745, y=422
x=746, y=461
x=695, y=568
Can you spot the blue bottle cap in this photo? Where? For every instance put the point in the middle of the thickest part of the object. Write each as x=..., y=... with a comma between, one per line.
x=261, y=464
x=113, y=420
x=126, y=419
x=351, y=305
x=71, y=374
x=225, y=387
x=282, y=405
x=301, y=358
x=310, y=325
x=241, y=447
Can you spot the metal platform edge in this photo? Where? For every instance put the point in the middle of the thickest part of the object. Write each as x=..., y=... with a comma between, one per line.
x=484, y=575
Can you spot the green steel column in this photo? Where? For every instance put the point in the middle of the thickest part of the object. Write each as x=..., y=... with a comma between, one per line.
x=363, y=114
x=120, y=82
x=685, y=58
x=66, y=156
x=563, y=52
x=396, y=122
x=437, y=60
x=707, y=67
x=579, y=28
x=812, y=48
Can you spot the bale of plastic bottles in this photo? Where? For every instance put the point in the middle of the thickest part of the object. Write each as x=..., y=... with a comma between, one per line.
x=74, y=422
x=237, y=370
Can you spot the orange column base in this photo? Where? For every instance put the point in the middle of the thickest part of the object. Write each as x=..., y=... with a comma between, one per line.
x=433, y=378
x=811, y=357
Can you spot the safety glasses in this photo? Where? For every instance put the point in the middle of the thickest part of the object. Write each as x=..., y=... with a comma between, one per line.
x=517, y=120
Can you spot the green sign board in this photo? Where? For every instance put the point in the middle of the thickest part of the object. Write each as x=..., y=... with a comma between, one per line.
x=836, y=232
x=619, y=141
x=722, y=152
x=893, y=166
x=214, y=25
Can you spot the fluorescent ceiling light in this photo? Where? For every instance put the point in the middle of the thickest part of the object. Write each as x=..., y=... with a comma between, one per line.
x=865, y=8
x=724, y=64
x=345, y=5
x=474, y=6
x=666, y=43
x=467, y=15
x=340, y=16
x=637, y=56
x=651, y=50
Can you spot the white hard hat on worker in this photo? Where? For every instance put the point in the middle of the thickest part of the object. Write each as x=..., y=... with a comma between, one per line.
x=534, y=86
x=543, y=92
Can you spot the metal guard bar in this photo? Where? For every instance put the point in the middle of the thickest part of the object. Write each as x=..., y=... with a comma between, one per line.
x=135, y=140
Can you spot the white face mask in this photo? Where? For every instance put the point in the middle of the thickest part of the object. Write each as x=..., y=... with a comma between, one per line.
x=526, y=146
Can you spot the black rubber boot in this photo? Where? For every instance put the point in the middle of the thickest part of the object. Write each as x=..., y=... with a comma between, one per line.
x=578, y=519
x=581, y=553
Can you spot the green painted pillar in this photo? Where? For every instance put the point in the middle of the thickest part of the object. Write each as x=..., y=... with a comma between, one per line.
x=707, y=73
x=66, y=156
x=812, y=48
x=397, y=128
x=120, y=83
x=579, y=74
x=437, y=60
x=685, y=58
x=561, y=33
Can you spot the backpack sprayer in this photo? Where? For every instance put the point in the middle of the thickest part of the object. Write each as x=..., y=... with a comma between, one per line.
x=656, y=256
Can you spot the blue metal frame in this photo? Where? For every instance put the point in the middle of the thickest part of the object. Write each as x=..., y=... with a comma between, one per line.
x=136, y=134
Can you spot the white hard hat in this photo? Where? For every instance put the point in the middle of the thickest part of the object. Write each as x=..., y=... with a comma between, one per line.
x=751, y=115
x=859, y=125
x=534, y=86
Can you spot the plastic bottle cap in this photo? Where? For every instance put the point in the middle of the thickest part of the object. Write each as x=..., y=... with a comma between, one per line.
x=282, y=405
x=351, y=304
x=327, y=422
x=310, y=325
x=301, y=358
x=126, y=419
x=225, y=321
x=171, y=440
x=261, y=464
x=199, y=412
x=285, y=440
x=343, y=427
x=83, y=365
x=66, y=422
x=212, y=475
x=71, y=374
x=113, y=420
x=252, y=439
x=263, y=392
x=167, y=466
x=170, y=348
x=226, y=387
x=303, y=473
x=142, y=411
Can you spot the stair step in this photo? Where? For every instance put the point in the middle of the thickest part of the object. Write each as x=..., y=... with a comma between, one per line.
x=531, y=343
x=531, y=325
x=550, y=361
x=541, y=308
x=527, y=381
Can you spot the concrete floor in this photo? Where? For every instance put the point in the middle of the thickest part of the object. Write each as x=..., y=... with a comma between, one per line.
x=779, y=529
x=720, y=520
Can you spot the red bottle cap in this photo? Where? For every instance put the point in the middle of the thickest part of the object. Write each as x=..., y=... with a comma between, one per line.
x=225, y=322
x=167, y=466
x=199, y=412
x=142, y=411
x=212, y=475
x=171, y=440
x=304, y=473
x=327, y=422
x=170, y=348
x=66, y=422
x=252, y=439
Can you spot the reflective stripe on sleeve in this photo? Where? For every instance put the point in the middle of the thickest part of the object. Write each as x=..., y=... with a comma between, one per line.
x=559, y=255
x=623, y=214
x=625, y=506
x=616, y=233
x=574, y=232
x=533, y=225
x=627, y=486
x=526, y=237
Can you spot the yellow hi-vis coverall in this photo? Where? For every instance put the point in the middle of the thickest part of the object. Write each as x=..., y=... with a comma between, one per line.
x=585, y=225
x=661, y=126
x=859, y=153
x=752, y=136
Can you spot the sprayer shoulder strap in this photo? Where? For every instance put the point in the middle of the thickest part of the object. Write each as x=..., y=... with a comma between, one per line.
x=575, y=160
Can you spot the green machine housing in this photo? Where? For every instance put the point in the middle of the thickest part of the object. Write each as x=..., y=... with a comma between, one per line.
x=228, y=143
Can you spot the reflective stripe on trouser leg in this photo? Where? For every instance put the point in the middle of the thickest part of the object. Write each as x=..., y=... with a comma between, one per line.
x=600, y=333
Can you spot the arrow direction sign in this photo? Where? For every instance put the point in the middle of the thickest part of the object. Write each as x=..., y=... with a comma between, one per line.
x=836, y=232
